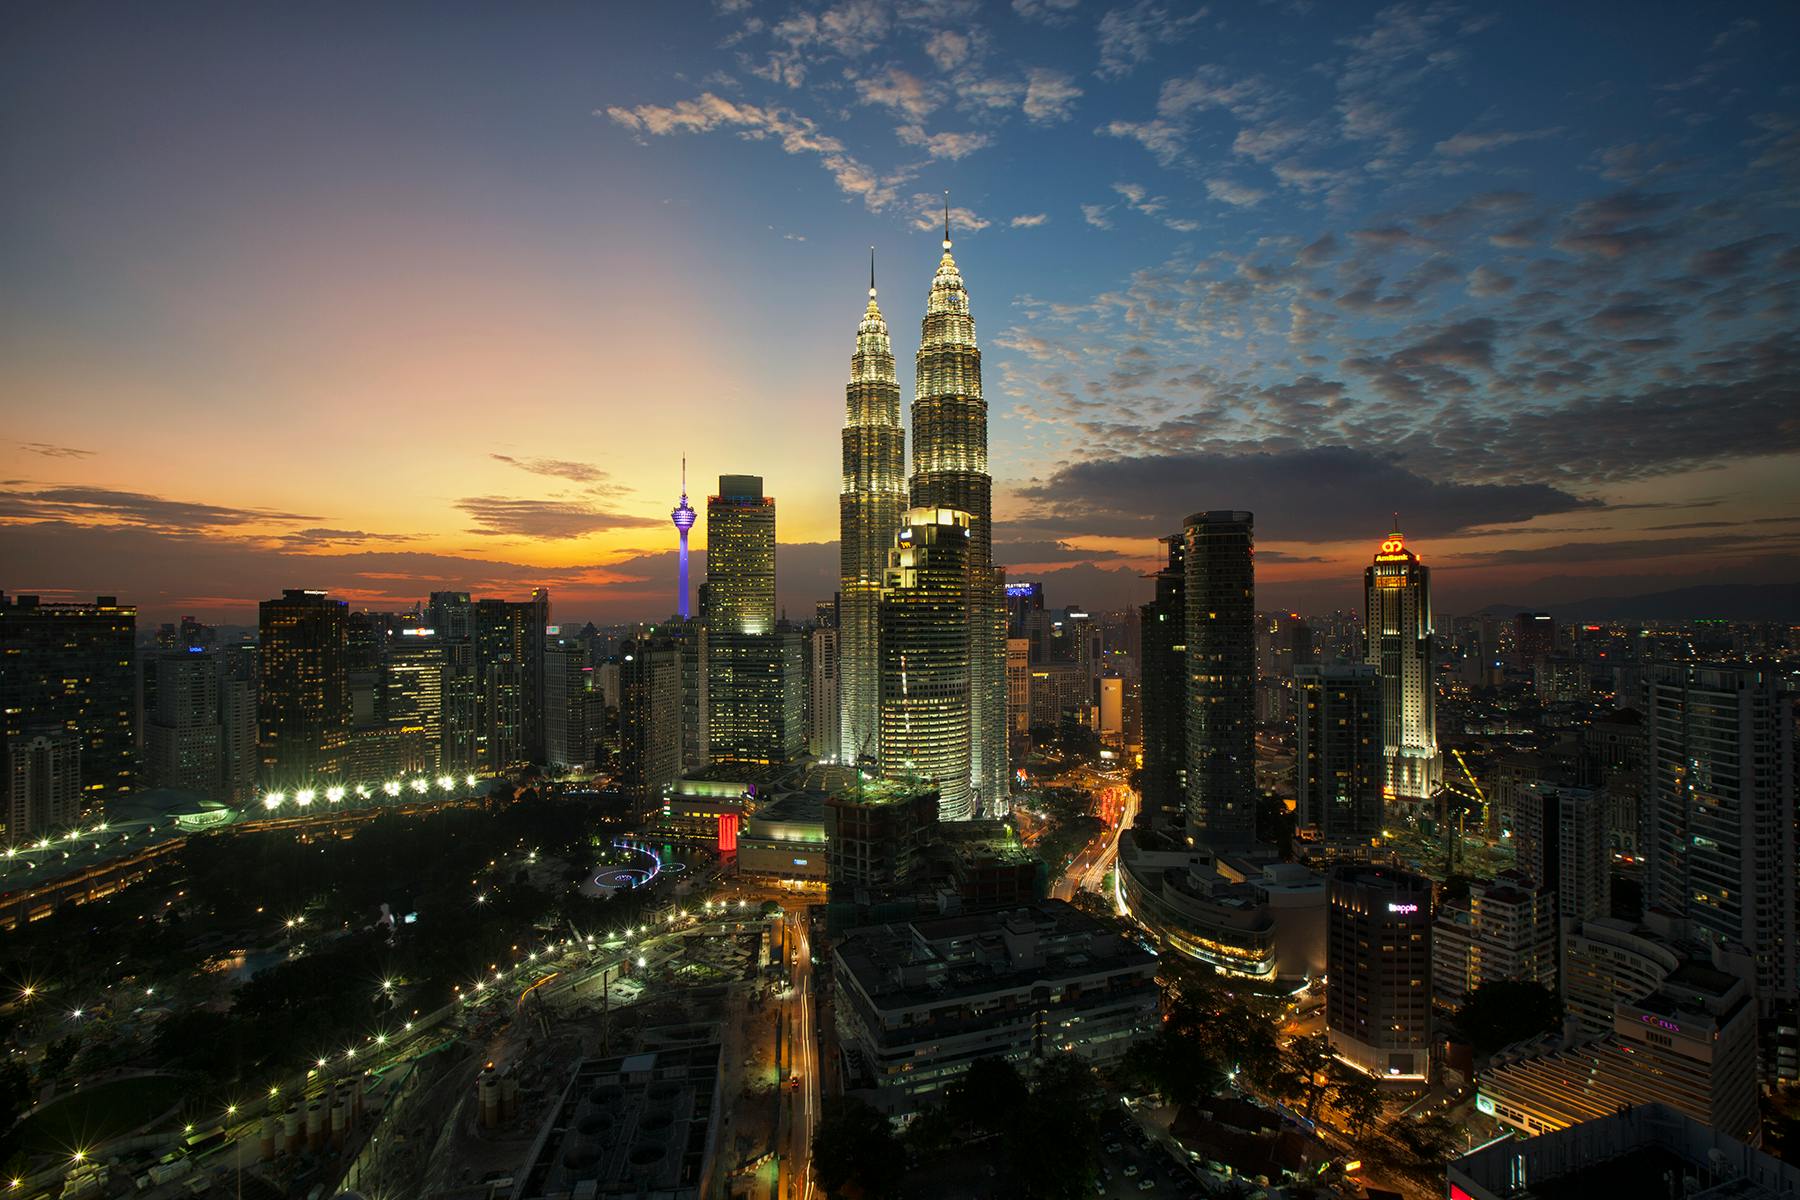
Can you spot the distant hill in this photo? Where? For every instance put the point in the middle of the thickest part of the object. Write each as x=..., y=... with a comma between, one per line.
x=1728, y=601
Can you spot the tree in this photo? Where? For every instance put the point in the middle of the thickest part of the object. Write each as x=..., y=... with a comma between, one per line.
x=854, y=1147
x=15, y=1093
x=58, y=1055
x=987, y=1097
x=1308, y=1059
x=1361, y=1101
x=1428, y=1139
x=1505, y=1011
x=1053, y=1139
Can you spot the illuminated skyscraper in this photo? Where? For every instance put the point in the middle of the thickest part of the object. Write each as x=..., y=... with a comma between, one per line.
x=1397, y=642
x=683, y=516
x=754, y=673
x=68, y=668
x=740, y=557
x=304, y=707
x=1378, y=957
x=1219, y=595
x=950, y=471
x=413, y=688
x=925, y=667
x=869, y=504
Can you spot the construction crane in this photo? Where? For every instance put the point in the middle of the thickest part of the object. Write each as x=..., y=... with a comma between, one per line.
x=1453, y=830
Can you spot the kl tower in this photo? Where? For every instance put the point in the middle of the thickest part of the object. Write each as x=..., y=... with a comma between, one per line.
x=683, y=515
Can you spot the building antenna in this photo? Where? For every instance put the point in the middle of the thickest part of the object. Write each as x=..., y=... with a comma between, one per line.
x=946, y=218
x=871, y=272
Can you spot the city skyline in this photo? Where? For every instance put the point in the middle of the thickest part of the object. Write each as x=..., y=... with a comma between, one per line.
x=1334, y=269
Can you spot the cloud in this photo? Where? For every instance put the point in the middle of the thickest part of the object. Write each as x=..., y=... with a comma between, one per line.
x=948, y=48
x=1029, y=220
x=943, y=145
x=222, y=577
x=303, y=538
x=1470, y=142
x=1486, y=281
x=1049, y=96
x=1236, y=194
x=1327, y=494
x=558, y=468
x=929, y=214
x=1095, y=215
x=1045, y=551
x=104, y=506
x=1127, y=36
x=796, y=135
x=904, y=93
x=1050, y=12
x=49, y=450
x=505, y=516
x=1165, y=140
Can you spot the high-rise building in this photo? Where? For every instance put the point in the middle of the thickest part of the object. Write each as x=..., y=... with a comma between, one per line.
x=1220, y=598
x=1397, y=632
x=238, y=758
x=1018, y=694
x=1534, y=638
x=950, y=471
x=67, y=668
x=879, y=830
x=649, y=723
x=740, y=557
x=568, y=680
x=452, y=616
x=503, y=648
x=683, y=515
x=303, y=709
x=1378, y=958
x=1165, y=689
x=826, y=682
x=1559, y=837
x=181, y=730
x=43, y=784
x=925, y=667
x=413, y=689
x=689, y=638
x=754, y=675
x=1719, y=803
x=1504, y=929
x=1338, y=759
x=869, y=503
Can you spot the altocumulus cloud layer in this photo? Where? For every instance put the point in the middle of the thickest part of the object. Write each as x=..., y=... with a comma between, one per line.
x=1527, y=283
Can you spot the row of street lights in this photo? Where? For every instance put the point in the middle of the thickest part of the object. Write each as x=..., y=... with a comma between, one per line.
x=337, y=793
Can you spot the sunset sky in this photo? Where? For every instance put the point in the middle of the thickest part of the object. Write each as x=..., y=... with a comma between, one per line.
x=391, y=298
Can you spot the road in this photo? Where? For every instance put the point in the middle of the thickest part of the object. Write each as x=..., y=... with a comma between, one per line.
x=800, y=1054
x=1117, y=808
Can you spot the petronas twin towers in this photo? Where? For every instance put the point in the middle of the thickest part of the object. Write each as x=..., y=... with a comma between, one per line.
x=922, y=608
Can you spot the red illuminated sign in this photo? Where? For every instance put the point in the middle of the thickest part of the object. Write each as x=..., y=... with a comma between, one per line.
x=728, y=833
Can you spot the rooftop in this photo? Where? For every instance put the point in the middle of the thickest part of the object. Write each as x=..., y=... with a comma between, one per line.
x=933, y=960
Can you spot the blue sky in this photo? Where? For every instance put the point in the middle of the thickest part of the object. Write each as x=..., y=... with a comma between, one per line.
x=445, y=292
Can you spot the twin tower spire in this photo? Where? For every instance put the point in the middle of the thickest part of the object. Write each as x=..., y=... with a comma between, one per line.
x=879, y=511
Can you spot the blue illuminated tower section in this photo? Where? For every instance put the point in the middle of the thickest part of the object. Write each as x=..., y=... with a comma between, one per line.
x=683, y=516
